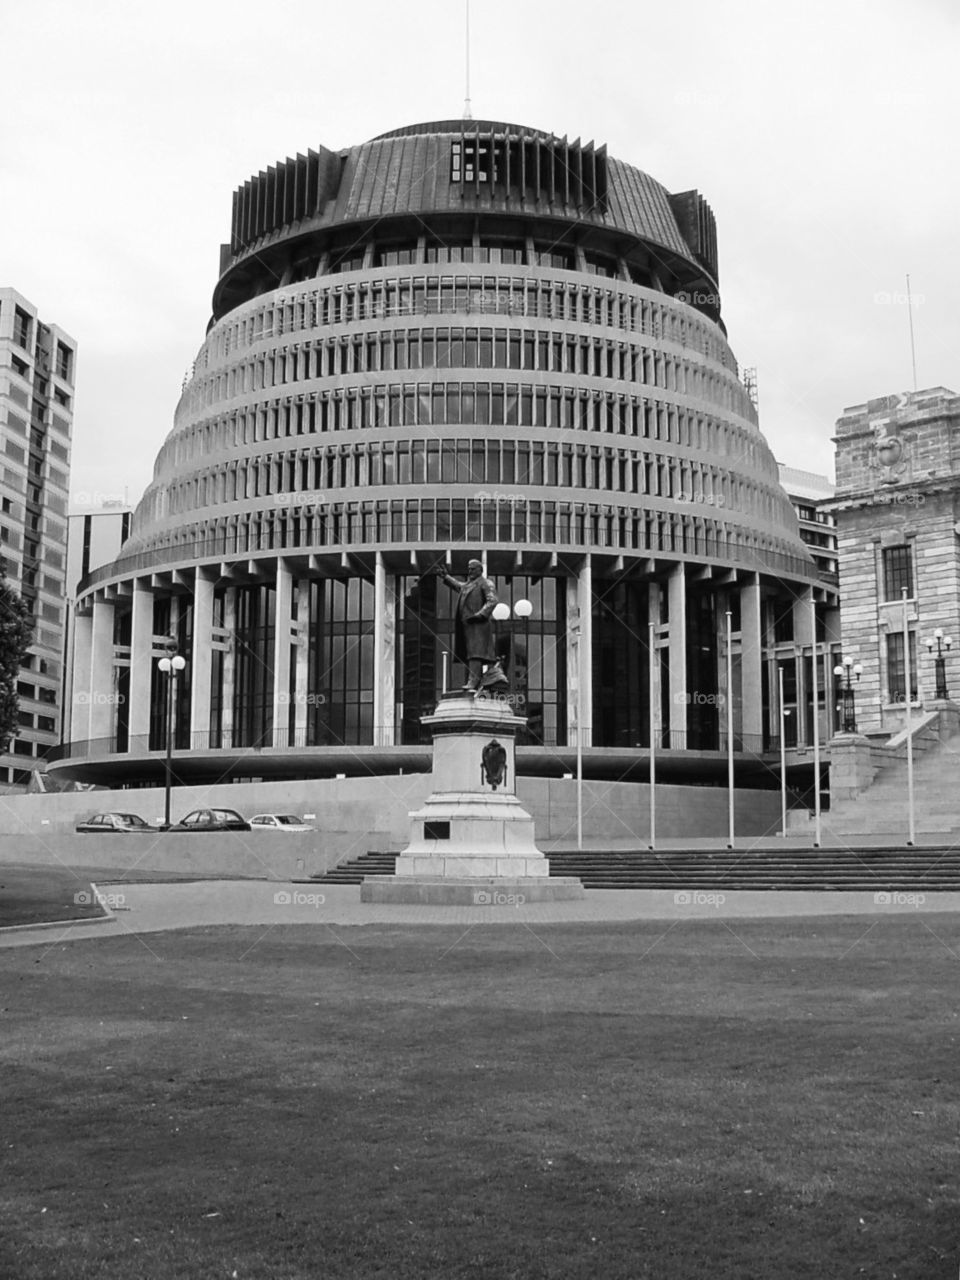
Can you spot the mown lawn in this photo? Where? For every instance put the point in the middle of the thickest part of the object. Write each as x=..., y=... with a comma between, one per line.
x=757, y=1099
x=31, y=894
x=36, y=895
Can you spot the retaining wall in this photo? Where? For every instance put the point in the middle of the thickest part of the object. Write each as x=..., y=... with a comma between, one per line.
x=353, y=815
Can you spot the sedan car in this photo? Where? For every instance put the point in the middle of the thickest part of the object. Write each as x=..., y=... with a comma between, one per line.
x=107, y=822
x=212, y=820
x=279, y=822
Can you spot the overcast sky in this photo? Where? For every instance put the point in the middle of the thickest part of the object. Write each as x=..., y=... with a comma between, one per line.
x=824, y=136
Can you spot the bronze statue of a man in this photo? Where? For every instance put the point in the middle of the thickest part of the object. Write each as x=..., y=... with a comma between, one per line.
x=474, y=643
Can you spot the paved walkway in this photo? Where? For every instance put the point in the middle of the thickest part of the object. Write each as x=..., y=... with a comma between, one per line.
x=153, y=908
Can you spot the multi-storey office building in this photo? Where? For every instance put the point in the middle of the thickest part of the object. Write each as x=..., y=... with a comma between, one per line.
x=37, y=371
x=808, y=491
x=460, y=337
x=97, y=528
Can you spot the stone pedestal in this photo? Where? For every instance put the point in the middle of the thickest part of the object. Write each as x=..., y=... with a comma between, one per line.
x=472, y=843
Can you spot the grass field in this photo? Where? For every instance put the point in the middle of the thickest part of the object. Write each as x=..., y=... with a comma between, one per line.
x=31, y=894
x=756, y=1099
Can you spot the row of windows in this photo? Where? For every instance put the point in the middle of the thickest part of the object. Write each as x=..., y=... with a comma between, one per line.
x=440, y=349
x=46, y=724
x=473, y=404
x=294, y=310
x=505, y=253
x=451, y=520
x=38, y=692
x=480, y=462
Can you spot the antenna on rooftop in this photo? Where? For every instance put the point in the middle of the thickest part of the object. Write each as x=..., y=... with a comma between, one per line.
x=913, y=349
x=467, y=113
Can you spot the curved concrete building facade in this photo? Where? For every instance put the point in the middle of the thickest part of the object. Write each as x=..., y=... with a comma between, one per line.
x=460, y=339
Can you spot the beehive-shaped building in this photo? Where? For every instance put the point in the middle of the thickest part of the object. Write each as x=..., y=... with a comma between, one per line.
x=461, y=339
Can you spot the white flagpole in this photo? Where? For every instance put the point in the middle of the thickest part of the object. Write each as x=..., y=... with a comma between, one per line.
x=816, y=725
x=907, y=719
x=730, y=834
x=651, y=685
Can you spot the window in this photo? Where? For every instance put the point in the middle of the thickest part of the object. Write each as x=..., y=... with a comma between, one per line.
x=21, y=328
x=896, y=683
x=64, y=361
x=897, y=572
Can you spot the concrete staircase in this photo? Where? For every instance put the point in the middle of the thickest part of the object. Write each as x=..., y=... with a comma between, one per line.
x=899, y=870
x=774, y=867
x=881, y=809
x=354, y=871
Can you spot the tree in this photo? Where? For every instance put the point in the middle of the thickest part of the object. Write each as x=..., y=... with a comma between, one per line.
x=16, y=633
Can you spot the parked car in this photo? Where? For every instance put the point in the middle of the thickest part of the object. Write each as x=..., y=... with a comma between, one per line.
x=279, y=822
x=106, y=822
x=211, y=820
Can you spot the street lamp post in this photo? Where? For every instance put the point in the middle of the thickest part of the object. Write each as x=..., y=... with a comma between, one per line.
x=783, y=756
x=521, y=609
x=171, y=666
x=844, y=671
x=943, y=644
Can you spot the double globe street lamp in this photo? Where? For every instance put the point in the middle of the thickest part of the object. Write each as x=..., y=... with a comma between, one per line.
x=845, y=670
x=522, y=609
x=171, y=666
x=943, y=644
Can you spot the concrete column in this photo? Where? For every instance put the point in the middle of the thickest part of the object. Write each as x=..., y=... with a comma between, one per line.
x=804, y=637
x=201, y=659
x=580, y=654
x=82, y=665
x=572, y=603
x=229, y=663
x=384, y=655
x=102, y=685
x=282, y=624
x=751, y=659
x=302, y=675
x=653, y=657
x=141, y=658
x=677, y=614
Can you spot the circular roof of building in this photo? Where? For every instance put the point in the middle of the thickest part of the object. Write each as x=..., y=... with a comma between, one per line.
x=462, y=126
